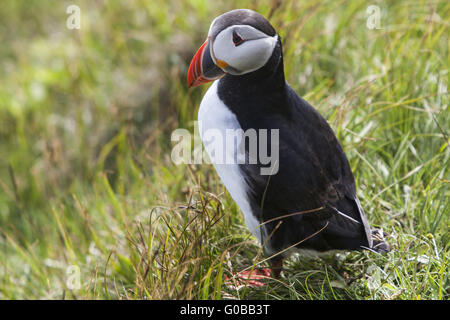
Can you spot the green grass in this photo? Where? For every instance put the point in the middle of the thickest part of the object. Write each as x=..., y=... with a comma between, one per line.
x=86, y=181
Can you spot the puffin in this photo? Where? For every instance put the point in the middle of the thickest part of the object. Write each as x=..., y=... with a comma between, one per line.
x=305, y=198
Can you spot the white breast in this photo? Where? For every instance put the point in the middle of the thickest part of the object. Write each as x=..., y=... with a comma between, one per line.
x=215, y=117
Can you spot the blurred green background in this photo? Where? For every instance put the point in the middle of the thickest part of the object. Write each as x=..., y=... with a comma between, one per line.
x=91, y=205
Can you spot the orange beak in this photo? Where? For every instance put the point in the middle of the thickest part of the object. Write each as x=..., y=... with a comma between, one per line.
x=202, y=68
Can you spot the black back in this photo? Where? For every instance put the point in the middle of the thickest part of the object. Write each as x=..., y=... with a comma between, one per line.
x=313, y=169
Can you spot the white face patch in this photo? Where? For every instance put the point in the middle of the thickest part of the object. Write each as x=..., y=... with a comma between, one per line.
x=250, y=55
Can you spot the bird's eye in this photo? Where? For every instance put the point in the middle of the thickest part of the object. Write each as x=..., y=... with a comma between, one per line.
x=237, y=40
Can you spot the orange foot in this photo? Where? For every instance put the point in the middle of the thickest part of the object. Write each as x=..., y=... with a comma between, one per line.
x=250, y=278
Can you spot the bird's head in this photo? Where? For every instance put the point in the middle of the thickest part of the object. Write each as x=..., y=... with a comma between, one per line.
x=239, y=42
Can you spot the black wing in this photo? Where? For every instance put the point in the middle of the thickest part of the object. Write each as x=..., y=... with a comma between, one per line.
x=313, y=173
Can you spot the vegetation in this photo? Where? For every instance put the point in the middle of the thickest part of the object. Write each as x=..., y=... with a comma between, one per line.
x=92, y=207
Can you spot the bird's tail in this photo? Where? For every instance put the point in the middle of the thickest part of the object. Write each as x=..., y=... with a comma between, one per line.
x=379, y=243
